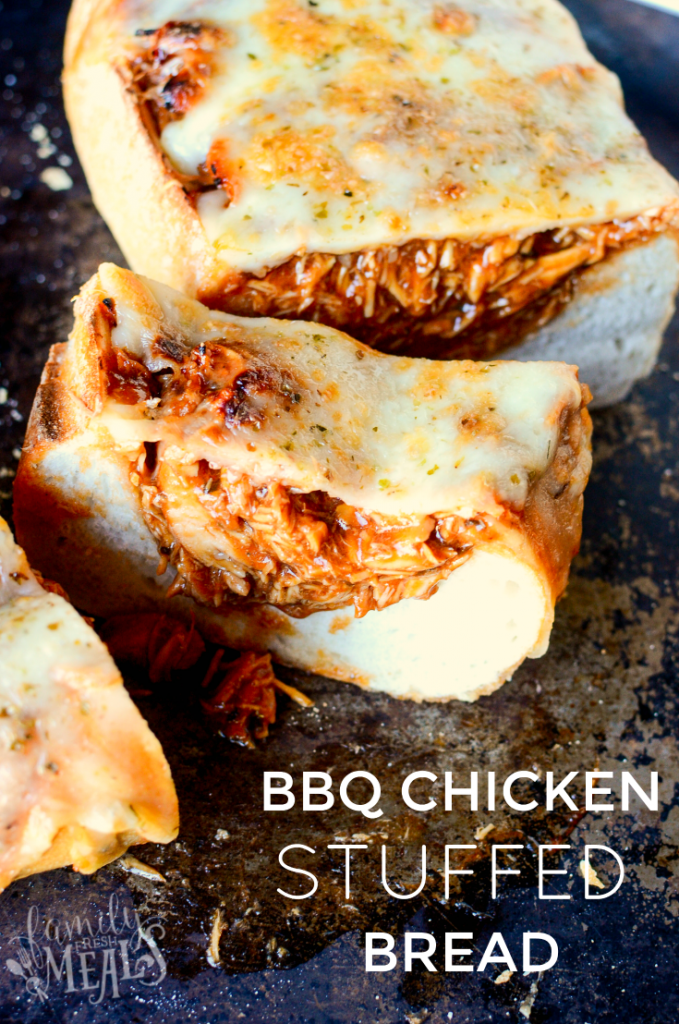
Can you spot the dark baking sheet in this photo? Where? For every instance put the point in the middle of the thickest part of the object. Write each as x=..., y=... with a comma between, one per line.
x=604, y=697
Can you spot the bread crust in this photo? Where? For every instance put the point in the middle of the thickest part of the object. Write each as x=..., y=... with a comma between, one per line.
x=614, y=329
x=81, y=14
x=133, y=187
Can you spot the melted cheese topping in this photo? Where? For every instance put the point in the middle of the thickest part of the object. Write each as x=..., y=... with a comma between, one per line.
x=76, y=757
x=16, y=578
x=389, y=434
x=351, y=124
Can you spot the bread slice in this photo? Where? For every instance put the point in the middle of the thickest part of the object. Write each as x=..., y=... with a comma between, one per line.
x=83, y=778
x=614, y=327
x=295, y=491
x=437, y=180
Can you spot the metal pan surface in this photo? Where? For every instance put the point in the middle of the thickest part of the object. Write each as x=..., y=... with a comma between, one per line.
x=214, y=941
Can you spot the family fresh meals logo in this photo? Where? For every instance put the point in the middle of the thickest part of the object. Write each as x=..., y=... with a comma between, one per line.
x=95, y=955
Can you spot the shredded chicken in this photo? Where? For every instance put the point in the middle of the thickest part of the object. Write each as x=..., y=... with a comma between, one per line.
x=53, y=588
x=243, y=704
x=161, y=643
x=232, y=541
x=172, y=70
x=440, y=299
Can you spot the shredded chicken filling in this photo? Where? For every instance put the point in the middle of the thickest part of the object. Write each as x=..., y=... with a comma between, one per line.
x=171, y=72
x=442, y=299
x=232, y=539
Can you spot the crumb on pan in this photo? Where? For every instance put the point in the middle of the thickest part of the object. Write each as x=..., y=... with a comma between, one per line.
x=218, y=927
x=137, y=867
x=56, y=178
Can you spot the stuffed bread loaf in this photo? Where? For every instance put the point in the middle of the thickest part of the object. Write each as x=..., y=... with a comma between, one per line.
x=437, y=179
x=296, y=491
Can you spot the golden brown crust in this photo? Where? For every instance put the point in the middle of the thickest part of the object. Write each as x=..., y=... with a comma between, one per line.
x=120, y=159
x=72, y=389
x=552, y=518
x=48, y=422
x=101, y=851
x=39, y=509
x=81, y=14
